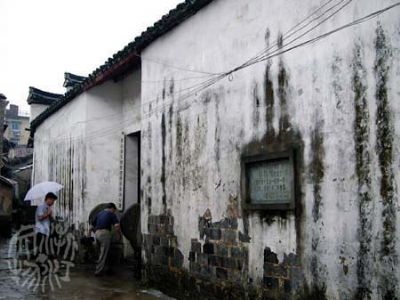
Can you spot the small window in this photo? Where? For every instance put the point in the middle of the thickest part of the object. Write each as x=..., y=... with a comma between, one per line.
x=268, y=181
x=15, y=125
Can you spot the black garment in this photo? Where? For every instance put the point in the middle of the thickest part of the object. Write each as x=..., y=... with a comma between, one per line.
x=42, y=243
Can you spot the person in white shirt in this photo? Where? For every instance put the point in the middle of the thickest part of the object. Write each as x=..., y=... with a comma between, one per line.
x=44, y=214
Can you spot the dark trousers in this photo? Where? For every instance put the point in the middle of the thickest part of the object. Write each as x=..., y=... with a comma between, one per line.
x=42, y=243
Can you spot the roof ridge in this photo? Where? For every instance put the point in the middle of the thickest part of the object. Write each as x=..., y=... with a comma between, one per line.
x=37, y=96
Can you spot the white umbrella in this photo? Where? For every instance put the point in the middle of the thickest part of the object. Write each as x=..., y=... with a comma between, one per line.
x=40, y=190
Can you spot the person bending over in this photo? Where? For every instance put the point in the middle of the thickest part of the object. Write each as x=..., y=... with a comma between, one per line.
x=102, y=226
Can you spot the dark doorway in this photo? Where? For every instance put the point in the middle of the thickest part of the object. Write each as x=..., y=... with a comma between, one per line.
x=132, y=170
x=130, y=220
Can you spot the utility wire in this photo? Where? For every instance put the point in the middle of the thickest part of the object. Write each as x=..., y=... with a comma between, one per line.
x=313, y=40
x=215, y=78
x=107, y=129
x=212, y=81
x=199, y=87
x=294, y=29
x=266, y=52
x=212, y=77
x=322, y=36
x=176, y=67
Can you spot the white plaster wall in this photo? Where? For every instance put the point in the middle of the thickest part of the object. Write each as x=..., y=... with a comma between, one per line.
x=131, y=102
x=207, y=132
x=36, y=109
x=92, y=125
x=59, y=146
x=104, y=132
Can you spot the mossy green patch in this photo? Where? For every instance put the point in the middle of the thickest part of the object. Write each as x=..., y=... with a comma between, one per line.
x=384, y=148
x=363, y=172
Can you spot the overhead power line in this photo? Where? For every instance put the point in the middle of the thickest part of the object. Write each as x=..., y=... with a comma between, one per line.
x=283, y=50
x=262, y=56
x=316, y=15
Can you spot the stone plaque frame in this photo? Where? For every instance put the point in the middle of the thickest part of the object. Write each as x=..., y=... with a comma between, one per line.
x=248, y=162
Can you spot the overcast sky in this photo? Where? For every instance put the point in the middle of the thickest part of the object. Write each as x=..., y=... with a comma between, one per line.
x=42, y=39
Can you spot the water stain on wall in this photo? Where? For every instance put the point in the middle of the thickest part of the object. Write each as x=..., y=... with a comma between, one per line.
x=256, y=105
x=269, y=99
x=217, y=135
x=282, y=95
x=317, y=171
x=384, y=148
x=363, y=172
x=179, y=137
x=66, y=161
x=287, y=139
x=148, y=185
x=163, y=162
x=317, y=168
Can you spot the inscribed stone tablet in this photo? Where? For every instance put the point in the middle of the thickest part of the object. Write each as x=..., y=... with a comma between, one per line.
x=270, y=182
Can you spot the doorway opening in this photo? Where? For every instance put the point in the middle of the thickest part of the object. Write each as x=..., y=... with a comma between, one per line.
x=132, y=170
x=130, y=220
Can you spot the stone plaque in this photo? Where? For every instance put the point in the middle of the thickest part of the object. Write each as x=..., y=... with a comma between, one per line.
x=270, y=182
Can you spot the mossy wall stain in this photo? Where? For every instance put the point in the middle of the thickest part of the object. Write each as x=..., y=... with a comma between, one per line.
x=171, y=87
x=179, y=137
x=283, y=89
x=269, y=96
x=308, y=293
x=256, y=106
x=384, y=148
x=317, y=172
x=147, y=189
x=363, y=172
x=66, y=163
x=317, y=168
x=287, y=139
x=163, y=162
x=170, y=128
x=269, y=99
x=186, y=163
x=217, y=134
x=164, y=90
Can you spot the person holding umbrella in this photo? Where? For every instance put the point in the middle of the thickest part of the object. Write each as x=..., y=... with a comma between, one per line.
x=44, y=214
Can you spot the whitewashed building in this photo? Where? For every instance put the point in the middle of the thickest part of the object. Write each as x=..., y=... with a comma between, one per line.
x=267, y=135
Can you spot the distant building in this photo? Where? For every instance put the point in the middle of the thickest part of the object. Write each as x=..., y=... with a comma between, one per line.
x=3, y=104
x=7, y=190
x=16, y=125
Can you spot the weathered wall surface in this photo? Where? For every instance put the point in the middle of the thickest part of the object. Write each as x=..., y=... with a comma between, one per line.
x=80, y=146
x=37, y=109
x=131, y=102
x=60, y=155
x=104, y=143
x=335, y=102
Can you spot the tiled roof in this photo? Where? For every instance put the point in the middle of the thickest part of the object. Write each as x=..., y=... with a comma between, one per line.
x=70, y=80
x=37, y=96
x=127, y=58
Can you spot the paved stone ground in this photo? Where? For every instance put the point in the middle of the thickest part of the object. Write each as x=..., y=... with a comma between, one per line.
x=82, y=285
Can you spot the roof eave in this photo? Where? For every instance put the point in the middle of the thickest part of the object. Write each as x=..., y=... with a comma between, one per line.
x=126, y=59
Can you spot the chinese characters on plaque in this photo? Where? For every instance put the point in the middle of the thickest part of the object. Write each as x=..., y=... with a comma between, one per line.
x=270, y=182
